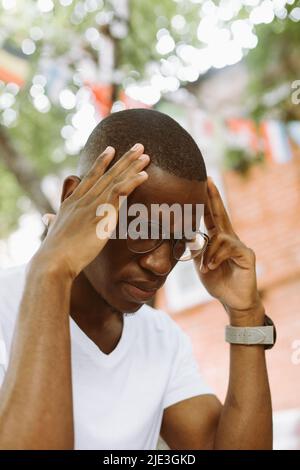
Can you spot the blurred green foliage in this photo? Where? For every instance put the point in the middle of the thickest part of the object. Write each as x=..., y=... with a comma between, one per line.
x=10, y=194
x=37, y=135
x=272, y=67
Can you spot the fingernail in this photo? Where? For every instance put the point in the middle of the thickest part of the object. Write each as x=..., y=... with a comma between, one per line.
x=109, y=149
x=137, y=147
x=143, y=173
x=144, y=157
x=211, y=265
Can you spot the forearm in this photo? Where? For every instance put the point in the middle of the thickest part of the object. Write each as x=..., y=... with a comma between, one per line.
x=246, y=418
x=36, y=396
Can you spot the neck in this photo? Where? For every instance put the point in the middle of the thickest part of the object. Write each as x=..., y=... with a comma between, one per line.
x=87, y=308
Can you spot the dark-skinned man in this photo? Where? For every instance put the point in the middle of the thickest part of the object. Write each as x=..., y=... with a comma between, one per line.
x=91, y=365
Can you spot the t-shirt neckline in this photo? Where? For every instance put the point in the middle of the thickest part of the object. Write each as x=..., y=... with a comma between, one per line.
x=87, y=344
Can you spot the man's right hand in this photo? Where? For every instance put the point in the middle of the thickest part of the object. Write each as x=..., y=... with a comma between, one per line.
x=72, y=242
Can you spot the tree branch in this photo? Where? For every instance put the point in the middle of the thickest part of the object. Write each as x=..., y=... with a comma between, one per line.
x=24, y=172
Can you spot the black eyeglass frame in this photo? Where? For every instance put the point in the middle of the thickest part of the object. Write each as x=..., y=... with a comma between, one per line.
x=162, y=240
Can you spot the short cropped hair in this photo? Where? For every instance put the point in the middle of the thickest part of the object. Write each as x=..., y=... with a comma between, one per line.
x=168, y=144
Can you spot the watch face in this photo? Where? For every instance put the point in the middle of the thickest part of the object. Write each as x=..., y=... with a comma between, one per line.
x=269, y=322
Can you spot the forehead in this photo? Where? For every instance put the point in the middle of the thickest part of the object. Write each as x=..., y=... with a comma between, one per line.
x=163, y=187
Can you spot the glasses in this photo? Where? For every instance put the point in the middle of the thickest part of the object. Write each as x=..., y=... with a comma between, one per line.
x=182, y=249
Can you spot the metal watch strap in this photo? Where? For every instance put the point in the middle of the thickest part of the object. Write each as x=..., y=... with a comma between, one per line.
x=249, y=335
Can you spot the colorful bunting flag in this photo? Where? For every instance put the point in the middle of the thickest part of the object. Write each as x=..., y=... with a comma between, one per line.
x=103, y=97
x=293, y=129
x=132, y=103
x=276, y=143
x=244, y=134
x=14, y=66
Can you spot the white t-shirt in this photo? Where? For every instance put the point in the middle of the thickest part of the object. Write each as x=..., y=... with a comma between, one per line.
x=119, y=398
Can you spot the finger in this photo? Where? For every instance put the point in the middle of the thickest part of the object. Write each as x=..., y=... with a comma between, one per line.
x=96, y=171
x=124, y=187
x=117, y=169
x=135, y=152
x=214, y=245
x=223, y=253
x=112, y=203
x=135, y=167
x=219, y=213
x=208, y=219
x=234, y=251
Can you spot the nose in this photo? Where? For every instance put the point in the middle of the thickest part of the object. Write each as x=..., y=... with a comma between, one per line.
x=158, y=261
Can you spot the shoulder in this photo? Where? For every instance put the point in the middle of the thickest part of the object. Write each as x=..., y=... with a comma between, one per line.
x=159, y=323
x=157, y=318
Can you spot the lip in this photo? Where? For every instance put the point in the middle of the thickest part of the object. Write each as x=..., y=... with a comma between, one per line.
x=137, y=293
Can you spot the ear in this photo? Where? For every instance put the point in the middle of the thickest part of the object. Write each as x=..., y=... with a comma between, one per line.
x=69, y=185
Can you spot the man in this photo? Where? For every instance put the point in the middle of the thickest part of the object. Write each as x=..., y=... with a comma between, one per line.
x=93, y=367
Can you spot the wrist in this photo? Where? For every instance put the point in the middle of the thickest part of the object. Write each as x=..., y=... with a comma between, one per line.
x=254, y=316
x=51, y=265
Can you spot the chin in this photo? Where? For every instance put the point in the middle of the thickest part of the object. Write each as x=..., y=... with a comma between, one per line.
x=122, y=304
x=128, y=307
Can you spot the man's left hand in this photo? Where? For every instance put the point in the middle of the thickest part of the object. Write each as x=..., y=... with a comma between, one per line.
x=227, y=270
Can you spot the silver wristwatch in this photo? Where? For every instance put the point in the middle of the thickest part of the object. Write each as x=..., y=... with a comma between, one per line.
x=252, y=335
